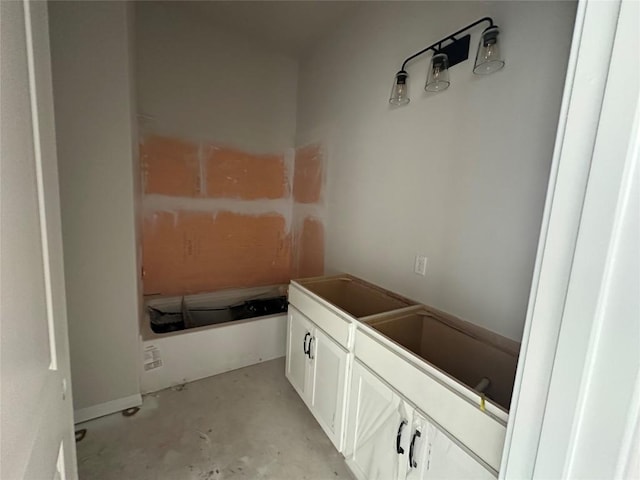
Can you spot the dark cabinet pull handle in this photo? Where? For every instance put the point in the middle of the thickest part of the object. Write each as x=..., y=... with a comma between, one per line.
x=412, y=462
x=309, y=352
x=304, y=347
x=399, y=449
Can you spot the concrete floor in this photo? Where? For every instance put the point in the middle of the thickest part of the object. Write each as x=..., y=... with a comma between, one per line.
x=245, y=424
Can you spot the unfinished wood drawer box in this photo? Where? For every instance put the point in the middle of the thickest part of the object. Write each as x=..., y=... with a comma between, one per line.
x=460, y=351
x=333, y=303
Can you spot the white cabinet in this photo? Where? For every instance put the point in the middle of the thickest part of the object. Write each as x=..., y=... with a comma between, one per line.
x=317, y=369
x=378, y=428
x=433, y=455
x=392, y=414
x=299, y=330
x=329, y=365
x=389, y=440
x=480, y=432
x=419, y=448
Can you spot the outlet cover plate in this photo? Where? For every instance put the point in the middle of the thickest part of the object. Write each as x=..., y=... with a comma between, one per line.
x=420, y=265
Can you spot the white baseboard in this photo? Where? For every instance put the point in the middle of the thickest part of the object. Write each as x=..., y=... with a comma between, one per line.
x=106, y=408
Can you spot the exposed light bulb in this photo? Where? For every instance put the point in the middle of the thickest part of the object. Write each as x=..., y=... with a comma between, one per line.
x=438, y=75
x=400, y=89
x=488, y=58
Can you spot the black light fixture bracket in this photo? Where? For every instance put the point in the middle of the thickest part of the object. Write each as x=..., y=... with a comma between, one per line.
x=456, y=48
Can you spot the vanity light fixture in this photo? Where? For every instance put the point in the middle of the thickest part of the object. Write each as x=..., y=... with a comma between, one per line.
x=448, y=52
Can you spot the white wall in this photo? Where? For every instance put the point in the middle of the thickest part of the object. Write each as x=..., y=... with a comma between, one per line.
x=199, y=81
x=459, y=176
x=93, y=106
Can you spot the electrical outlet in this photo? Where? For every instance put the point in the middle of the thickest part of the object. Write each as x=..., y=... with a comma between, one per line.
x=420, y=265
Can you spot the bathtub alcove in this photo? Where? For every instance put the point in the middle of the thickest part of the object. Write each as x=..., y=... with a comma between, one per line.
x=210, y=333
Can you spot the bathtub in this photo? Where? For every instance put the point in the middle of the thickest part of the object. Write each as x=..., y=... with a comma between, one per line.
x=177, y=357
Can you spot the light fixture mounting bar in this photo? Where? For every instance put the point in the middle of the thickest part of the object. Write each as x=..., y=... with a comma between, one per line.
x=437, y=46
x=457, y=51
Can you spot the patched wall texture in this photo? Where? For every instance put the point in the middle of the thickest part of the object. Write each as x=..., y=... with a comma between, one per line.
x=218, y=217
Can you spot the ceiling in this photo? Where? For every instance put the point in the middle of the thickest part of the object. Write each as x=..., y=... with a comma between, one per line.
x=289, y=27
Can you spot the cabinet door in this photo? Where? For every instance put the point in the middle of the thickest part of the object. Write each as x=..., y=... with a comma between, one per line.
x=329, y=369
x=436, y=456
x=377, y=428
x=299, y=330
x=419, y=448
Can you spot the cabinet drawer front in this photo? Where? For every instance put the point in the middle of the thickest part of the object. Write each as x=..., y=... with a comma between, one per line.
x=325, y=318
x=481, y=433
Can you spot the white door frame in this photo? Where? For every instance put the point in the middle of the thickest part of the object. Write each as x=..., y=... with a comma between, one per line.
x=540, y=428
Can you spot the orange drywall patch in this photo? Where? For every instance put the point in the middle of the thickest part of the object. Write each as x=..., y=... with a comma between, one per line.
x=310, y=247
x=170, y=166
x=191, y=252
x=236, y=174
x=307, y=178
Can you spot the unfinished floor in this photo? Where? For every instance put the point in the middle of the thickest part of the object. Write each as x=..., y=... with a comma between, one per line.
x=245, y=424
